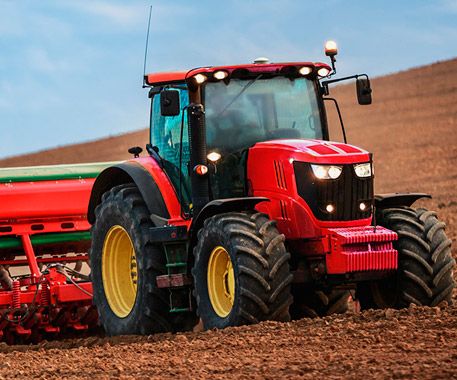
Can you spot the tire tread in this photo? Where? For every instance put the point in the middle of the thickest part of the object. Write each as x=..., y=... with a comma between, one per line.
x=261, y=259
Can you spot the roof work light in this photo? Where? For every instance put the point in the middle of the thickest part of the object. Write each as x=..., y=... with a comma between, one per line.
x=331, y=50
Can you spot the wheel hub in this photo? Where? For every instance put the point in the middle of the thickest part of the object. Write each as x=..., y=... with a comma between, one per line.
x=221, y=281
x=119, y=271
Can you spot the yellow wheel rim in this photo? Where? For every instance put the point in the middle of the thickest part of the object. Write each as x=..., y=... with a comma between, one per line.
x=221, y=281
x=119, y=271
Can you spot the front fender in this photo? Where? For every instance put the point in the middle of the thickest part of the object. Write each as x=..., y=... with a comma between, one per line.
x=220, y=206
x=382, y=201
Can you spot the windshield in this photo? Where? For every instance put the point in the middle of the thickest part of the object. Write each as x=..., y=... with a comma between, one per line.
x=244, y=112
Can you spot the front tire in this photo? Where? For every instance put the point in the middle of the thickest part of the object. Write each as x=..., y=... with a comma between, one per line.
x=241, y=271
x=125, y=264
x=425, y=264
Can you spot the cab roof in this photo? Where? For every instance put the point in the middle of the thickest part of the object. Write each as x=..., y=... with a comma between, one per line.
x=285, y=68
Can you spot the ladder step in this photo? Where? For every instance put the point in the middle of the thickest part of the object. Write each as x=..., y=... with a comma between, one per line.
x=176, y=265
x=180, y=310
x=173, y=280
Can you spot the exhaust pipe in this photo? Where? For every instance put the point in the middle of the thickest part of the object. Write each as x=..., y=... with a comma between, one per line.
x=197, y=143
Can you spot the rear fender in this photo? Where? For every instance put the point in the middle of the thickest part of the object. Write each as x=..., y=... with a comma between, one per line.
x=383, y=201
x=126, y=172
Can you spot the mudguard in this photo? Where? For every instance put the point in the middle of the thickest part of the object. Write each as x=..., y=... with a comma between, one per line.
x=220, y=206
x=398, y=199
x=127, y=172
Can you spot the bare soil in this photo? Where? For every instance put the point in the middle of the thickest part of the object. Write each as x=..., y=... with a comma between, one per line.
x=411, y=343
x=412, y=130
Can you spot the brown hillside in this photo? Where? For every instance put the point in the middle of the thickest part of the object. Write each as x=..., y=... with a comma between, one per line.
x=107, y=149
x=411, y=128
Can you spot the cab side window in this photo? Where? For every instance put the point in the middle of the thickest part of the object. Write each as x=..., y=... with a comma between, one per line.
x=166, y=136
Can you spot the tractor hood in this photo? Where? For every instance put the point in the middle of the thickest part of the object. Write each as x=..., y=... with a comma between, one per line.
x=314, y=151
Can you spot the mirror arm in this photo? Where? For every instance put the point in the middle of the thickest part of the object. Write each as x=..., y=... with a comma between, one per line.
x=154, y=91
x=333, y=60
x=339, y=116
x=154, y=153
x=324, y=91
x=325, y=83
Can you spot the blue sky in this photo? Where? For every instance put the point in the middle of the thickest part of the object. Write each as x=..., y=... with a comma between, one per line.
x=71, y=71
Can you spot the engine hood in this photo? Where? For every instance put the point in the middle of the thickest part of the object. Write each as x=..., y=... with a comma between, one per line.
x=316, y=151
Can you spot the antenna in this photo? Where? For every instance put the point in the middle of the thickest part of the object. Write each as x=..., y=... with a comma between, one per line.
x=146, y=48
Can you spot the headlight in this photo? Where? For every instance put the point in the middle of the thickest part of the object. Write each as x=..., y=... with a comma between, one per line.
x=305, y=70
x=323, y=72
x=326, y=171
x=200, y=78
x=219, y=75
x=363, y=170
x=214, y=156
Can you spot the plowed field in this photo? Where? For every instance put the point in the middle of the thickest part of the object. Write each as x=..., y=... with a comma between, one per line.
x=413, y=343
x=412, y=130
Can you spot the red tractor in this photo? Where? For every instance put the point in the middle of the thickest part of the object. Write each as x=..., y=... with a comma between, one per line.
x=242, y=211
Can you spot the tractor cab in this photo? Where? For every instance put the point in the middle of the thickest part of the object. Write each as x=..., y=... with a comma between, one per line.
x=239, y=106
x=242, y=105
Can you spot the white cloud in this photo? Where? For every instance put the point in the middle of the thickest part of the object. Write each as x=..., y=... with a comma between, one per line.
x=26, y=23
x=40, y=60
x=9, y=25
x=52, y=63
x=449, y=6
x=441, y=6
x=132, y=15
x=124, y=15
x=6, y=89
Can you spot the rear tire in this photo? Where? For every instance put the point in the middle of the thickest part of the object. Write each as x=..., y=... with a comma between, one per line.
x=425, y=264
x=123, y=208
x=261, y=277
x=311, y=303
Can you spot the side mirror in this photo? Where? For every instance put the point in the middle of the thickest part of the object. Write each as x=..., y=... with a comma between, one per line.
x=169, y=103
x=363, y=91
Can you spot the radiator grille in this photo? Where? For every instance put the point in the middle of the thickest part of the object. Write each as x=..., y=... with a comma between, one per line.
x=345, y=193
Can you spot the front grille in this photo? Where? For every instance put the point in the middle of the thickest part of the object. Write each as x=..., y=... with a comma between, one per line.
x=345, y=193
